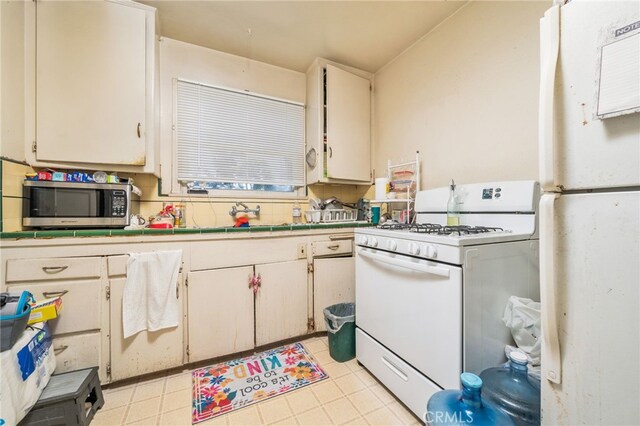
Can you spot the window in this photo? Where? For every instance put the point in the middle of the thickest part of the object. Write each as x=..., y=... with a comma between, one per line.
x=232, y=140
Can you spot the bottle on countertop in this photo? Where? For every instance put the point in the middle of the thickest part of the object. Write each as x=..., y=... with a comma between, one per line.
x=296, y=213
x=453, y=206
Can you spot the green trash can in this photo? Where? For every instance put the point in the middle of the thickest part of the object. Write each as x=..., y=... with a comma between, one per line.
x=340, y=320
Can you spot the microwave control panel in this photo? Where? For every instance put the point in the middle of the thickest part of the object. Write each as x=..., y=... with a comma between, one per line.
x=118, y=203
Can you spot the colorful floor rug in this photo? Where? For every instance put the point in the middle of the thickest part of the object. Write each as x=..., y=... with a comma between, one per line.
x=228, y=386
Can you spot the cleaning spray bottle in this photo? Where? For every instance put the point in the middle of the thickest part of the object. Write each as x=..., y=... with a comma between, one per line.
x=453, y=206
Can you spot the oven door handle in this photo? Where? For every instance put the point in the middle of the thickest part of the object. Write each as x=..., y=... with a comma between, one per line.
x=434, y=270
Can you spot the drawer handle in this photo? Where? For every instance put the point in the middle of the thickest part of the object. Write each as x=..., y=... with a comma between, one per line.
x=340, y=237
x=60, y=349
x=395, y=369
x=50, y=294
x=138, y=130
x=334, y=247
x=53, y=269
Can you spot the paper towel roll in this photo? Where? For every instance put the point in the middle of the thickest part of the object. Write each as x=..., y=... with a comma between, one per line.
x=381, y=188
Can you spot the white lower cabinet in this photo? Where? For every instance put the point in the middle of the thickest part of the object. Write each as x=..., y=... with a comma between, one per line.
x=78, y=332
x=333, y=282
x=77, y=351
x=146, y=351
x=220, y=312
x=281, y=301
x=225, y=317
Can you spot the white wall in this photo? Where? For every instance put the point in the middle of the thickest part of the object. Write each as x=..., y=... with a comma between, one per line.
x=195, y=63
x=466, y=96
x=12, y=79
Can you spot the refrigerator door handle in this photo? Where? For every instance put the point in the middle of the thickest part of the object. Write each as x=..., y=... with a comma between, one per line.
x=551, y=363
x=549, y=47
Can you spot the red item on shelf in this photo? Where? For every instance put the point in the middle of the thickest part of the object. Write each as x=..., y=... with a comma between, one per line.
x=161, y=226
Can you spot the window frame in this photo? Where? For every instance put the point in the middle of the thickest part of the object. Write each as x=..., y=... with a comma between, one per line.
x=179, y=189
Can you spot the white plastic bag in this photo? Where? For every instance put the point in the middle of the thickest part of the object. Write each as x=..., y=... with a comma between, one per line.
x=26, y=369
x=522, y=316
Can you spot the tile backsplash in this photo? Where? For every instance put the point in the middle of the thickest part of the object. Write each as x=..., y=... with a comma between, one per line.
x=200, y=211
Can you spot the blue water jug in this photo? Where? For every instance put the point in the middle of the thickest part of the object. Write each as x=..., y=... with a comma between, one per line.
x=465, y=407
x=513, y=391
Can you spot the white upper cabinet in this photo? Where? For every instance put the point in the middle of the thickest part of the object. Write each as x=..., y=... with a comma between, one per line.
x=338, y=124
x=94, y=72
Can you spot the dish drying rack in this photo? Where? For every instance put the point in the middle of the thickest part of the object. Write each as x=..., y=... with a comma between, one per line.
x=331, y=215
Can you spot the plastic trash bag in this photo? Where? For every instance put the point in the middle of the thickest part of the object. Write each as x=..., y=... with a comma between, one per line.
x=522, y=316
x=335, y=316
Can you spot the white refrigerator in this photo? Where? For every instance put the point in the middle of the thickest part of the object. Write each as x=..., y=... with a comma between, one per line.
x=589, y=124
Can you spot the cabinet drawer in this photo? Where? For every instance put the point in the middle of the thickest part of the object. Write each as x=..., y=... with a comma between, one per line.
x=411, y=387
x=56, y=268
x=331, y=248
x=117, y=265
x=77, y=351
x=80, y=303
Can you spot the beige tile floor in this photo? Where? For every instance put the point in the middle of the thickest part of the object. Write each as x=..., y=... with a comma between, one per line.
x=349, y=396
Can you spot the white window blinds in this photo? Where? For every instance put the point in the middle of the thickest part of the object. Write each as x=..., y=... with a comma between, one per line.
x=235, y=137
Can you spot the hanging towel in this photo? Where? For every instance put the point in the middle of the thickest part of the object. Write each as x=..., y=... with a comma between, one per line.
x=149, y=301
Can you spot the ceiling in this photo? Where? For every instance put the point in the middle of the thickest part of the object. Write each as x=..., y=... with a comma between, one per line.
x=290, y=34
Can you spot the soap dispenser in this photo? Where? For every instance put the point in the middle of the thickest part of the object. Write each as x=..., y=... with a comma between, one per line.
x=453, y=206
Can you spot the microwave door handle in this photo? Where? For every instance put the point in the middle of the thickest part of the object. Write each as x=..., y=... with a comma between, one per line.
x=434, y=270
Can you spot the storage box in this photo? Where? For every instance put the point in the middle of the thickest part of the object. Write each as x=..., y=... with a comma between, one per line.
x=59, y=176
x=14, y=314
x=45, y=310
x=44, y=176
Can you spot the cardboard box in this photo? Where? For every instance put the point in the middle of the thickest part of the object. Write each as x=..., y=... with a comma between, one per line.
x=45, y=310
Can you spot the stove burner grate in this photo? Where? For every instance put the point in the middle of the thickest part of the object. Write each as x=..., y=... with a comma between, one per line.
x=394, y=226
x=436, y=229
x=431, y=228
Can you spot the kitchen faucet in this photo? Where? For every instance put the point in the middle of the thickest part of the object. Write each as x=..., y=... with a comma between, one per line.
x=234, y=209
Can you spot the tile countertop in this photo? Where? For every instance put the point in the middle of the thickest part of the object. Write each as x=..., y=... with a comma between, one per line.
x=175, y=231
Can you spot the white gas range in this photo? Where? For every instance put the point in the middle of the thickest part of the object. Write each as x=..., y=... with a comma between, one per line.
x=430, y=298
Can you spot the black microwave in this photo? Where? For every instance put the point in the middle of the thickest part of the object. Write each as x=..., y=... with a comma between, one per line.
x=51, y=204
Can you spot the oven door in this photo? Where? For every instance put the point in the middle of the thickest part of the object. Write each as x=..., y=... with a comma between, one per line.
x=414, y=308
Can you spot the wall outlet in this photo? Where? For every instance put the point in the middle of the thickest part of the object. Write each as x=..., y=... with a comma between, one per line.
x=302, y=251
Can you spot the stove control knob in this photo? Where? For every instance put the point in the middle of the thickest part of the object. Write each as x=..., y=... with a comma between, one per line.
x=364, y=240
x=373, y=242
x=414, y=249
x=392, y=245
x=430, y=251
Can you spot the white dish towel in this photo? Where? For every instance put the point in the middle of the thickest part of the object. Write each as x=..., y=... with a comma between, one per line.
x=149, y=301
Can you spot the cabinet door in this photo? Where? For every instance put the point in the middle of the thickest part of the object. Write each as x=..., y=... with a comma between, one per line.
x=90, y=82
x=77, y=351
x=281, y=302
x=146, y=351
x=348, y=125
x=220, y=312
x=333, y=282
